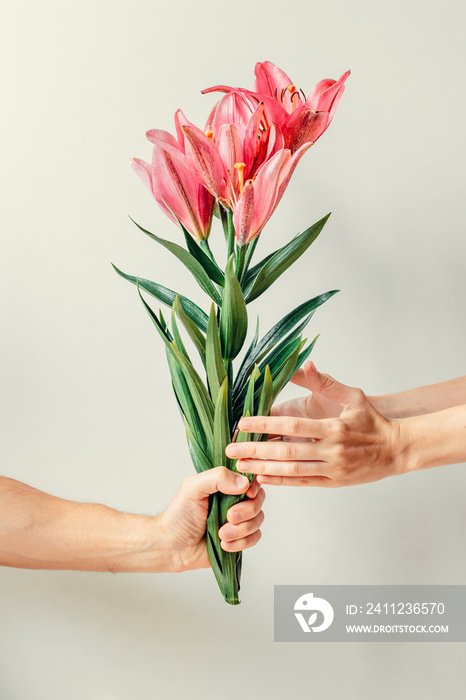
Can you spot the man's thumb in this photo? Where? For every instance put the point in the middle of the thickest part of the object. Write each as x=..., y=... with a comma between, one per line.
x=218, y=479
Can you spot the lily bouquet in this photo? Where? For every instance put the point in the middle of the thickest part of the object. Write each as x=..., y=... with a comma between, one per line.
x=237, y=169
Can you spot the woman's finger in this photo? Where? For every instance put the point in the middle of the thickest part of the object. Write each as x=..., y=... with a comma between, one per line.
x=284, y=451
x=321, y=481
x=285, y=425
x=294, y=469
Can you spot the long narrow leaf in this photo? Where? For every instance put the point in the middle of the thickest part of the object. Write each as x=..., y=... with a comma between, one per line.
x=222, y=435
x=176, y=335
x=200, y=461
x=266, y=397
x=211, y=267
x=277, y=332
x=193, y=331
x=167, y=296
x=233, y=315
x=189, y=261
x=199, y=394
x=214, y=363
x=282, y=259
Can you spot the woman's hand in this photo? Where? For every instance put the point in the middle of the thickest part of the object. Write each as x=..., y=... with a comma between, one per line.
x=333, y=438
x=183, y=523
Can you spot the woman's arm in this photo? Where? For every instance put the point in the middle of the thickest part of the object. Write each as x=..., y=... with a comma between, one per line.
x=40, y=531
x=425, y=399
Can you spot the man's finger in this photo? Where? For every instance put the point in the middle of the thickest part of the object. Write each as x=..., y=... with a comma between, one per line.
x=221, y=479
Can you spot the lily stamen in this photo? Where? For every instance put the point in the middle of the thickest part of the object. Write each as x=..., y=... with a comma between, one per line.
x=239, y=167
x=210, y=135
x=293, y=92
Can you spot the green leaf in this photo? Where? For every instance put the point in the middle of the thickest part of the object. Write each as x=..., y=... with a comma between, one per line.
x=282, y=259
x=249, y=405
x=266, y=397
x=199, y=397
x=209, y=265
x=193, y=331
x=199, y=459
x=286, y=371
x=254, y=271
x=189, y=261
x=233, y=314
x=214, y=363
x=275, y=334
x=176, y=334
x=222, y=435
x=305, y=354
x=167, y=296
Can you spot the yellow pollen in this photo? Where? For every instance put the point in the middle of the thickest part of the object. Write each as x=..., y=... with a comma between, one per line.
x=210, y=135
x=239, y=167
x=291, y=88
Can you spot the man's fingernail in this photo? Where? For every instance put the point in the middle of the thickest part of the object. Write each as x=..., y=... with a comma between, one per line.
x=232, y=451
x=245, y=424
x=241, y=481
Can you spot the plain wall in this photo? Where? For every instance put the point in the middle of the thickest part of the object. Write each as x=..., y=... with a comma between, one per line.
x=87, y=411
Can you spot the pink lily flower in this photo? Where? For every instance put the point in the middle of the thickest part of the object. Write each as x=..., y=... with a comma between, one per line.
x=301, y=120
x=170, y=179
x=260, y=196
x=234, y=145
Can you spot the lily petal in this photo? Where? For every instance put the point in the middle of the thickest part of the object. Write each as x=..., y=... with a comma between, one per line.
x=244, y=213
x=205, y=158
x=270, y=80
x=303, y=126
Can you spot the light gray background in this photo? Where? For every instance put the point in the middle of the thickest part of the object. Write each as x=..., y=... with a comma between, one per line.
x=86, y=410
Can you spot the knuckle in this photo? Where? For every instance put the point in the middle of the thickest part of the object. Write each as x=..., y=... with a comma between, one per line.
x=293, y=426
x=188, y=481
x=287, y=451
x=295, y=469
x=358, y=395
x=327, y=381
x=252, y=449
x=339, y=453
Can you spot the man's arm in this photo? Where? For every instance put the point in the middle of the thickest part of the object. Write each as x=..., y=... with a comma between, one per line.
x=40, y=531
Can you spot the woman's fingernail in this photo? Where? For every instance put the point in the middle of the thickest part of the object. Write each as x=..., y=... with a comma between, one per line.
x=245, y=424
x=232, y=451
x=241, y=481
x=228, y=533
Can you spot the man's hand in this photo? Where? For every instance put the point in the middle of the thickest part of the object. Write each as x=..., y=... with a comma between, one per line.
x=183, y=523
x=345, y=441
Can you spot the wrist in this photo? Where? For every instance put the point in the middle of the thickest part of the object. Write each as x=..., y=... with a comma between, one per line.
x=435, y=439
x=147, y=548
